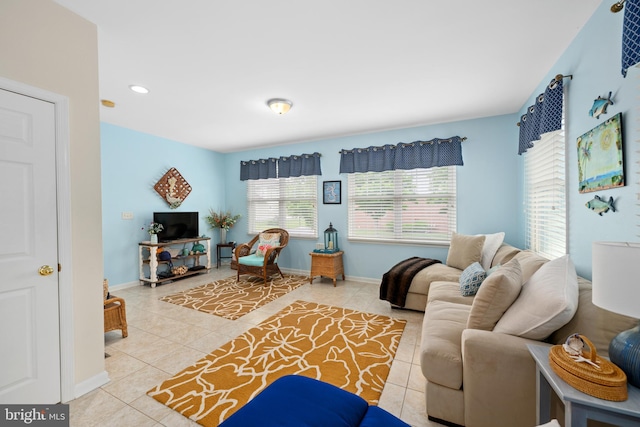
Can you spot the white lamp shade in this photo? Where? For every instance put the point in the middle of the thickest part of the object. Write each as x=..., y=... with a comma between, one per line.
x=616, y=277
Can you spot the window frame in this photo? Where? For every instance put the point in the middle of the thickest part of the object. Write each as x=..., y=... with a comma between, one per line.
x=399, y=199
x=305, y=188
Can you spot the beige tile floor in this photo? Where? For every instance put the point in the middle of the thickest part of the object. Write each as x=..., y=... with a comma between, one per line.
x=165, y=338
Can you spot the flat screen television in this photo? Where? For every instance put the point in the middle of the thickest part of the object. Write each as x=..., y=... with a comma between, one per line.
x=177, y=225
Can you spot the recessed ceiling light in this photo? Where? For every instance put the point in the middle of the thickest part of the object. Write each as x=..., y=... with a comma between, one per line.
x=139, y=89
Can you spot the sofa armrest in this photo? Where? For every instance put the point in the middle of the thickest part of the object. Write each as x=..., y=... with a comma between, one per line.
x=499, y=379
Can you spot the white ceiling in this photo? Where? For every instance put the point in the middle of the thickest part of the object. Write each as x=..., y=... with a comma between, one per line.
x=348, y=66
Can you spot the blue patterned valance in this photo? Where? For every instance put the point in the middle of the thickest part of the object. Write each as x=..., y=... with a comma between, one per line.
x=542, y=117
x=303, y=165
x=284, y=167
x=630, y=35
x=414, y=155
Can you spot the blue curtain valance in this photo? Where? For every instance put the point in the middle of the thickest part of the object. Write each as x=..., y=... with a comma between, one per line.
x=303, y=165
x=414, y=155
x=284, y=167
x=542, y=117
x=630, y=35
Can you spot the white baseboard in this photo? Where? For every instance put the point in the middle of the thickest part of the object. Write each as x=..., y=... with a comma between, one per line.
x=91, y=384
x=351, y=278
x=124, y=286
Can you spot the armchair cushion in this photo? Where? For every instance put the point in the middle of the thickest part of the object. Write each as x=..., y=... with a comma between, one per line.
x=267, y=241
x=254, y=260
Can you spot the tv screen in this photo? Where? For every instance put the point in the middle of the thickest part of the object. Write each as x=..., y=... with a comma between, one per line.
x=177, y=225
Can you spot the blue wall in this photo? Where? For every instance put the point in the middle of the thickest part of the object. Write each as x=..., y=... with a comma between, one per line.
x=487, y=191
x=489, y=184
x=132, y=163
x=594, y=61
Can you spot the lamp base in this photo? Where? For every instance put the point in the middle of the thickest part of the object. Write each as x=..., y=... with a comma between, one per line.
x=624, y=351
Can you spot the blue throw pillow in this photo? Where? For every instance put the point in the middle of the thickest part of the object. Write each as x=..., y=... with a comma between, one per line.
x=471, y=279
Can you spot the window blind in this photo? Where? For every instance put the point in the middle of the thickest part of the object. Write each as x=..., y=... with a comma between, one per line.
x=289, y=203
x=417, y=205
x=545, y=195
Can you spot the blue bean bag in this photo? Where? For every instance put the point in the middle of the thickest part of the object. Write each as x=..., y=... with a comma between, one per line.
x=297, y=401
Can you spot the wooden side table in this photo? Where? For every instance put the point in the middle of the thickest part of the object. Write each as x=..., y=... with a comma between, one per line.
x=327, y=265
x=578, y=406
x=219, y=256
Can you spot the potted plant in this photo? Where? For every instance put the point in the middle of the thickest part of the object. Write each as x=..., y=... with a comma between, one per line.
x=222, y=220
x=153, y=229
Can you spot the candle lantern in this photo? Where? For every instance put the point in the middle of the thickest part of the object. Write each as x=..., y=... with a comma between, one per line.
x=331, y=239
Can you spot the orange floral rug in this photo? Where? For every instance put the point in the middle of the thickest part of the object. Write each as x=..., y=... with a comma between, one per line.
x=230, y=299
x=347, y=348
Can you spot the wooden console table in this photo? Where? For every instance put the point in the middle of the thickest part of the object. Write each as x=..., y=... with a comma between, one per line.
x=327, y=265
x=151, y=259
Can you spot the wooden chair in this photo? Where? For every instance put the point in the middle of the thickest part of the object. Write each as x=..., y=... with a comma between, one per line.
x=115, y=313
x=250, y=263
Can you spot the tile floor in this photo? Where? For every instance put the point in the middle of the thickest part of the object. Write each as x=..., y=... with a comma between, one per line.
x=165, y=338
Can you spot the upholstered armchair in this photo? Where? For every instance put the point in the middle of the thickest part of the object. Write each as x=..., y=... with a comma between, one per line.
x=259, y=257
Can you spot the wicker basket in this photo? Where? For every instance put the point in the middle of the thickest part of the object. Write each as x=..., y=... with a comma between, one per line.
x=608, y=382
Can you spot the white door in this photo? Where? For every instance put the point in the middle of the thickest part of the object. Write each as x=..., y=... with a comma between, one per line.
x=29, y=321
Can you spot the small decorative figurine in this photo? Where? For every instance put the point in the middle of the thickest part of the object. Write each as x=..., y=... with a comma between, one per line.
x=600, y=105
x=197, y=247
x=600, y=205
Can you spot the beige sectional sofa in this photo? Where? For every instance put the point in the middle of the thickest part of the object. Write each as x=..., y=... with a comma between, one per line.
x=477, y=377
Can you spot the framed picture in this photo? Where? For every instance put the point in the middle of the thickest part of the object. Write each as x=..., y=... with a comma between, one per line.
x=332, y=192
x=600, y=162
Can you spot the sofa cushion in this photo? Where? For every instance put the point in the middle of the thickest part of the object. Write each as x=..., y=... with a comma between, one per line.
x=504, y=254
x=434, y=273
x=441, y=345
x=464, y=250
x=449, y=292
x=495, y=296
x=548, y=300
x=530, y=262
x=492, y=243
x=471, y=279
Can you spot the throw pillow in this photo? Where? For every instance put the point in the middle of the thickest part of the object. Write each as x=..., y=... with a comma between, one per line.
x=494, y=297
x=491, y=245
x=262, y=250
x=548, y=301
x=267, y=240
x=471, y=279
x=464, y=250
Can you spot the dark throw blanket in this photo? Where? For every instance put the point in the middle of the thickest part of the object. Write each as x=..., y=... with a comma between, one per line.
x=395, y=282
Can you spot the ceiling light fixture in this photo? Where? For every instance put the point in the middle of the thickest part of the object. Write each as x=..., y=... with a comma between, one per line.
x=279, y=105
x=108, y=103
x=139, y=89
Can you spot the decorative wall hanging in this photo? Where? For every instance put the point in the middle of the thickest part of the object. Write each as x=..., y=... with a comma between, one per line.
x=600, y=105
x=599, y=205
x=173, y=188
x=600, y=162
x=332, y=192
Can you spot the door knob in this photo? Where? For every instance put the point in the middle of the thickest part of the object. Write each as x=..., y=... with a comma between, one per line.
x=45, y=270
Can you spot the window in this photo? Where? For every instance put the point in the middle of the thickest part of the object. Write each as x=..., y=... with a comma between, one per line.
x=289, y=203
x=417, y=205
x=545, y=195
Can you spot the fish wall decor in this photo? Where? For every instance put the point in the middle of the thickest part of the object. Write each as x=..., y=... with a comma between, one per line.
x=600, y=105
x=599, y=205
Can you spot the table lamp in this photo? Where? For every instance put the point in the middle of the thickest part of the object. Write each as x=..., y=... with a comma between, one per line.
x=616, y=287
